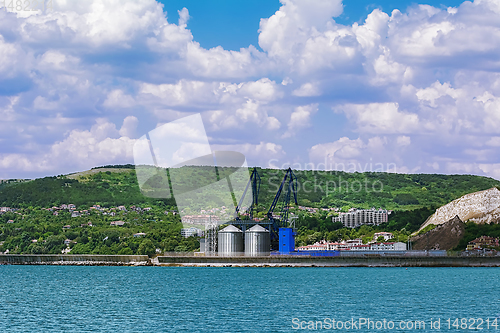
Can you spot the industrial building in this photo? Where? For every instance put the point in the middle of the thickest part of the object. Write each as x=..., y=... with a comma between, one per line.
x=354, y=245
x=188, y=232
x=250, y=236
x=357, y=217
x=386, y=235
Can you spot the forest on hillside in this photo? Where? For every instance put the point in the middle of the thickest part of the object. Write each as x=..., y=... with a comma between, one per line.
x=315, y=189
x=34, y=229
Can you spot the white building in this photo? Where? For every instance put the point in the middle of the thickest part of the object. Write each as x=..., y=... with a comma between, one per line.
x=344, y=245
x=354, y=245
x=357, y=217
x=386, y=235
x=362, y=247
x=188, y=232
x=397, y=246
x=314, y=247
x=199, y=219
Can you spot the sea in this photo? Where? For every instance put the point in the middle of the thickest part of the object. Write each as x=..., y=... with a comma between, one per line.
x=230, y=299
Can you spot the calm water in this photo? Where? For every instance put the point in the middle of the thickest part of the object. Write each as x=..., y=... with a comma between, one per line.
x=161, y=299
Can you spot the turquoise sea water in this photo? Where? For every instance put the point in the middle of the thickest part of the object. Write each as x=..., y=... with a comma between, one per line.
x=175, y=299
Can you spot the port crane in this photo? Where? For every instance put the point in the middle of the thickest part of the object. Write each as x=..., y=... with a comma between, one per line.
x=287, y=189
x=254, y=181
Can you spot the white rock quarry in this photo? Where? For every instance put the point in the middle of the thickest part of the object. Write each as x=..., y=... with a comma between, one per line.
x=479, y=207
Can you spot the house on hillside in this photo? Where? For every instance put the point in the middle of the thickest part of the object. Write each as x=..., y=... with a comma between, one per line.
x=188, y=232
x=483, y=242
x=386, y=235
x=117, y=223
x=357, y=217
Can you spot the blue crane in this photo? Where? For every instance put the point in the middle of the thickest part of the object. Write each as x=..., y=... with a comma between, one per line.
x=282, y=200
x=255, y=182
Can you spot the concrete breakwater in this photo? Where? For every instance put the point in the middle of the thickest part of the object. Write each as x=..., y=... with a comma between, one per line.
x=270, y=261
x=76, y=259
x=306, y=261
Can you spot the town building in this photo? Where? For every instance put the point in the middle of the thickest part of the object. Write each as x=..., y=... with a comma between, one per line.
x=199, y=219
x=357, y=217
x=386, y=235
x=188, y=232
x=390, y=246
x=483, y=242
x=354, y=245
x=117, y=223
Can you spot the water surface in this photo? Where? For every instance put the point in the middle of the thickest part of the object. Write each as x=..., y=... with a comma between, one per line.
x=182, y=299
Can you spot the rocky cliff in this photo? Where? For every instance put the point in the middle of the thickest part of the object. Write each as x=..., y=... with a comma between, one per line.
x=479, y=207
x=444, y=237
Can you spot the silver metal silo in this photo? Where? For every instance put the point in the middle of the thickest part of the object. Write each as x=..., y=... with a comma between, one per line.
x=230, y=241
x=257, y=241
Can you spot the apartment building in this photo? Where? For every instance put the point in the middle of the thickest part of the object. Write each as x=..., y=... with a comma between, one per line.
x=357, y=217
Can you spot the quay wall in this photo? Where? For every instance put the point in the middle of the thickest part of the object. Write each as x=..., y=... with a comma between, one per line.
x=72, y=259
x=306, y=261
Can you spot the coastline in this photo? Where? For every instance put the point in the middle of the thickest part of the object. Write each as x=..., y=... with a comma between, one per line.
x=269, y=261
x=306, y=261
x=74, y=260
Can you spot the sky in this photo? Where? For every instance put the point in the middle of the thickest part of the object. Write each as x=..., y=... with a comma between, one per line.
x=396, y=86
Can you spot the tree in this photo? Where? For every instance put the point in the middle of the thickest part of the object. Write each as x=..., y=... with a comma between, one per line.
x=146, y=248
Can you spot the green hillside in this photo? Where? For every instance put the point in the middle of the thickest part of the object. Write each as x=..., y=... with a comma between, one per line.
x=316, y=189
x=34, y=228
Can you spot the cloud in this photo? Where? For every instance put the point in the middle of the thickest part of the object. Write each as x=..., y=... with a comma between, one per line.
x=80, y=150
x=403, y=141
x=129, y=127
x=300, y=118
x=307, y=89
x=118, y=99
x=380, y=118
x=419, y=88
x=374, y=154
x=292, y=25
x=263, y=153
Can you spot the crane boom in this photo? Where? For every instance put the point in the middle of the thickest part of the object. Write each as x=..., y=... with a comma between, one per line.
x=289, y=185
x=255, y=182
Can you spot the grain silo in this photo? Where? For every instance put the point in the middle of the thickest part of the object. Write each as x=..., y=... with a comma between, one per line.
x=230, y=241
x=257, y=241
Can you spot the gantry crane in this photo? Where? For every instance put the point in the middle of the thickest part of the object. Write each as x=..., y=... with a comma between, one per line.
x=287, y=188
x=254, y=181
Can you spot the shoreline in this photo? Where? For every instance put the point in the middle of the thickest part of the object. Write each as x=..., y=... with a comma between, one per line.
x=307, y=261
x=269, y=261
x=74, y=260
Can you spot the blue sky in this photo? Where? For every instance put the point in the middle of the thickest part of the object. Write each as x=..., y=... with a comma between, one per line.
x=306, y=83
x=210, y=20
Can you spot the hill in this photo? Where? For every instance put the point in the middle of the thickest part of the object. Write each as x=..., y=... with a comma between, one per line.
x=34, y=227
x=445, y=236
x=479, y=207
x=115, y=185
